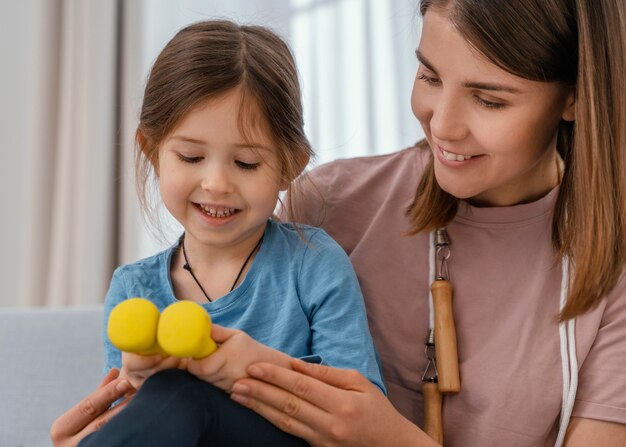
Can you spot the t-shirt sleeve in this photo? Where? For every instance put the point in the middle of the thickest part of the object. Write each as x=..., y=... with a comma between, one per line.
x=331, y=298
x=116, y=294
x=601, y=392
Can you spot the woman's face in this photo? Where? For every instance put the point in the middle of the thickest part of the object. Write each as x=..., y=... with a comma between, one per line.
x=493, y=134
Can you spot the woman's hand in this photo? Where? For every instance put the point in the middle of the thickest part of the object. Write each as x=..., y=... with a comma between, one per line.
x=137, y=368
x=92, y=412
x=237, y=351
x=326, y=406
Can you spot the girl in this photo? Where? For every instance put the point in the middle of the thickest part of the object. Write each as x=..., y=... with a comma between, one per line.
x=221, y=128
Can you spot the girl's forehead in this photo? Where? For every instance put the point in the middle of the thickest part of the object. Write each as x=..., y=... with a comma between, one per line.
x=230, y=116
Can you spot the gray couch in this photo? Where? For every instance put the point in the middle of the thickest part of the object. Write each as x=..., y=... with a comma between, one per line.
x=51, y=358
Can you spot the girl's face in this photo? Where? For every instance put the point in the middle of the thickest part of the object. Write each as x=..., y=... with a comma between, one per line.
x=493, y=134
x=221, y=188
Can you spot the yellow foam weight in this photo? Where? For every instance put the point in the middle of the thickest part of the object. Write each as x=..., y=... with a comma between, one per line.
x=185, y=330
x=132, y=327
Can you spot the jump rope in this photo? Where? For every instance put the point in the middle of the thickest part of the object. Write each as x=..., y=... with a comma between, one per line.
x=441, y=375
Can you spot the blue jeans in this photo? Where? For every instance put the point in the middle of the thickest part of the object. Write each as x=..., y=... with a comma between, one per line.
x=174, y=408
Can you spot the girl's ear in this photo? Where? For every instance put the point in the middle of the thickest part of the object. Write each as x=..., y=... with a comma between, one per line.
x=298, y=164
x=151, y=155
x=569, y=112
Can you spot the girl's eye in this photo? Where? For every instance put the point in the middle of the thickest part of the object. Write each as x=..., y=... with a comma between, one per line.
x=186, y=159
x=428, y=79
x=488, y=104
x=247, y=166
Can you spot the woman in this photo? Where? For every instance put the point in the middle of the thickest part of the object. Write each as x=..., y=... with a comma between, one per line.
x=523, y=107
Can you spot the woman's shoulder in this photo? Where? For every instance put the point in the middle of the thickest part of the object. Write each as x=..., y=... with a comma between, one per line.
x=412, y=159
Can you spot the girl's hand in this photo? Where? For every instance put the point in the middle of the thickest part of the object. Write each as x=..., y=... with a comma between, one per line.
x=137, y=368
x=230, y=362
x=92, y=412
x=326, y=406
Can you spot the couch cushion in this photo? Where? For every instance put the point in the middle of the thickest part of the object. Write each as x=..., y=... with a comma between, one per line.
x=51, y=358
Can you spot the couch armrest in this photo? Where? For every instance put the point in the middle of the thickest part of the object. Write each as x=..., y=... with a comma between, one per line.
x=51, y=358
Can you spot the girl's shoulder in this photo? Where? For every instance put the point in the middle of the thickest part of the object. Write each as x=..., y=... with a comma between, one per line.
x=148, y=265
x=298, y=238
x=289, y=232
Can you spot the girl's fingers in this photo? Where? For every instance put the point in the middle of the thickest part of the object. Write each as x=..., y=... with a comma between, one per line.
x=220, y=333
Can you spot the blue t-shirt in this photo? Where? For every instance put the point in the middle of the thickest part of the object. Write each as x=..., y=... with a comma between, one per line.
x=300, y=296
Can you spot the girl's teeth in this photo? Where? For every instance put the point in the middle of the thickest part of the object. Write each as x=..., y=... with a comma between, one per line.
x=455, y=157
x=215, y=213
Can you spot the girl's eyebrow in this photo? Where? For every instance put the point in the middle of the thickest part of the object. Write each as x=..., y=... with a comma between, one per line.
x=186, y=139
x=252, y=145
x=489, y=86
x=242, y=145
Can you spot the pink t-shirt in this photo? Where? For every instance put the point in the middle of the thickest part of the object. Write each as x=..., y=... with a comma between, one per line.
x=506, y=301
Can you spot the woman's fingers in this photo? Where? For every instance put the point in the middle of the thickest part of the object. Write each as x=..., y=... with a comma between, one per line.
x=105, y=417
x=90, y=408
x=320, y=385
x=274, y=405
x=340, y=378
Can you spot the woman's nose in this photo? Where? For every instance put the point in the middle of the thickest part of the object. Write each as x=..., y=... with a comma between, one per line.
x=448, y=119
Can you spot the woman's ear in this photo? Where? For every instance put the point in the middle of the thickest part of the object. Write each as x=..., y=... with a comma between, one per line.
x=569, y=112
x=150, y=153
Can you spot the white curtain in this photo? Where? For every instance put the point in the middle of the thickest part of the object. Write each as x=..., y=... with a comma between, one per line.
x=72, y=186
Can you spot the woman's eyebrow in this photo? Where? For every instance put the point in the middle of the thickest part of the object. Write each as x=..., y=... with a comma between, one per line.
x=424, y=61
x=489, y=86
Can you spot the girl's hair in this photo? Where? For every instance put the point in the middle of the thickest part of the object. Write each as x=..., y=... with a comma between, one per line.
x=575, y=42
x=206, y=60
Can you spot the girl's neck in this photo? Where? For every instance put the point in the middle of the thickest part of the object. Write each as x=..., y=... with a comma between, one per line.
x=202, y=255
x=203, y=273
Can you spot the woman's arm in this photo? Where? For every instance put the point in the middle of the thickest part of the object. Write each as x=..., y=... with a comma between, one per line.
x=584, y=432
x=92, y=412
x=326, y=406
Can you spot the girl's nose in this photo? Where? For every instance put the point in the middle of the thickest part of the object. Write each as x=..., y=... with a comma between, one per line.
x=217, y=180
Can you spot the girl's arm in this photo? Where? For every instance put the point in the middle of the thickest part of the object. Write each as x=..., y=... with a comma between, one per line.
x=326, y=406
x=237, y=351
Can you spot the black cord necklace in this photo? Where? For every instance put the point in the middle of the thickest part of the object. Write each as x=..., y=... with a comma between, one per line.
x=188, y=267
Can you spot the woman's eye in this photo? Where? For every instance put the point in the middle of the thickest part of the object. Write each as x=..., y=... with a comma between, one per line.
x=244, y=165
x=488, y=104
x=428, y=79
x=186, y=159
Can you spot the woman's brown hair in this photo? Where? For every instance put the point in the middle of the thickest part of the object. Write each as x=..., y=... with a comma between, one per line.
x=581, y=43
x=206, y=60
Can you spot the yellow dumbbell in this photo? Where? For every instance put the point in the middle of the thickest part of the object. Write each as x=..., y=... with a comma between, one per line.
x=185, y=330
x=182, y=330
x=133, y=327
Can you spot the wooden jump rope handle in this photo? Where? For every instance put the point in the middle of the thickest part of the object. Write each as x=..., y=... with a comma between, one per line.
x=433, y=424
x=445, y=338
